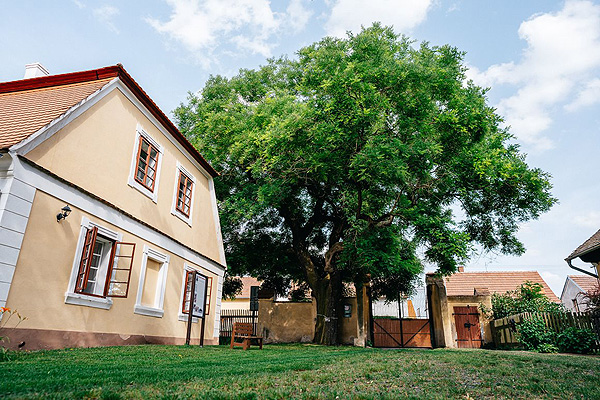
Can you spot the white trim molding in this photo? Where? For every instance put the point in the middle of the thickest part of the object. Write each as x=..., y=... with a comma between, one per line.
x=64, y=192
x=215, y=210
x=57, y=124
x=157, y=309
x=50, y=129
x=131, y=181
x=16, y=199
x=187, y=219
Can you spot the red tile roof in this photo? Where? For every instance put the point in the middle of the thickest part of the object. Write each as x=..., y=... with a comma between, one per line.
x=464, y=283
x=25, y=112
x=45, y=98
x=590, y=244
x=585, y=282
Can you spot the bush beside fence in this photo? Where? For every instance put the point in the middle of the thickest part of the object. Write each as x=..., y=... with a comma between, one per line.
x=504, y=330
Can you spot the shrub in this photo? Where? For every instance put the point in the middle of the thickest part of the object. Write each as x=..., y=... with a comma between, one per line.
x=5, y=315
x=529, y=297
x=533, y=334
x=576, y=340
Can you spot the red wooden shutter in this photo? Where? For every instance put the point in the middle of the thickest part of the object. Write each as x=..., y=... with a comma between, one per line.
x=86, y=260
x=119, y=270
x=186, y=292
x=208, y=294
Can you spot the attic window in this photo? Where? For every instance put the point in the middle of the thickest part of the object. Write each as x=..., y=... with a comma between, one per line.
x=147, y=162
x=183, y=200
x=184, y=194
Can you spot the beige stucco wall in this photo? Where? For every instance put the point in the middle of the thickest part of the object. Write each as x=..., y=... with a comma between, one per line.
x=573, y=292
x=44, y=269
x=289, y=322
x=243, y=304
x=95, y=152
x=441, y=309
x=473, y=301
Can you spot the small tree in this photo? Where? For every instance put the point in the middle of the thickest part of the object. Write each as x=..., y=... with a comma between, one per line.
x=592, y=300
x=529, y=297
x=232, y=287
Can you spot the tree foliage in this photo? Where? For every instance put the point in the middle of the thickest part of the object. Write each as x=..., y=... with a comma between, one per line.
x=358, y=161
x=528, y=297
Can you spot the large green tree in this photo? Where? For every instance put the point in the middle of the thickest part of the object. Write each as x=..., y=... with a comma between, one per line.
x=357, y=161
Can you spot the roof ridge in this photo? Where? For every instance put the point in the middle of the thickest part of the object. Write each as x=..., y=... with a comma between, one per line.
x=61, y=79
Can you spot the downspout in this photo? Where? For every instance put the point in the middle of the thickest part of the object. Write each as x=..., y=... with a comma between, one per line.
x=568, y=260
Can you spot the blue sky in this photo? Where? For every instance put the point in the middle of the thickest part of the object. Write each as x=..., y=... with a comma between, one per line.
x=541, y=60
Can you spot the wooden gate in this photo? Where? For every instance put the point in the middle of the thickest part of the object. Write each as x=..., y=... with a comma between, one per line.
x=468, y=329
x=393, y=332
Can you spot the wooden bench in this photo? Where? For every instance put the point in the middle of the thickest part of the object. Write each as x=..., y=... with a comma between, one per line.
x=242, y=330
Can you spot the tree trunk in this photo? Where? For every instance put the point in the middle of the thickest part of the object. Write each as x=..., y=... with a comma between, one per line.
x=328, y=297
x=361, y=339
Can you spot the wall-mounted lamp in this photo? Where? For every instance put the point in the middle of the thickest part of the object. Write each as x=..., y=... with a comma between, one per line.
x=65, y=211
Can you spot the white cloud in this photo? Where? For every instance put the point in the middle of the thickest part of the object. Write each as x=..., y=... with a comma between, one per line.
x=590, y=220
x=349, y=15
x=105, y=15
x=563, y=52
x=555, y=281
x=588, y=96
x=204, y=27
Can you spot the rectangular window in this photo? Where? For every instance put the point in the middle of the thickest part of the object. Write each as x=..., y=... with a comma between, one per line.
x=188, y=287
x=153, y=282
x=104, y=267
x=184, y=194
x=147, y=162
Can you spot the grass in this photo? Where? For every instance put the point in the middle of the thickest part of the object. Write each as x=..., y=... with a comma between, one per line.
x=297, y=371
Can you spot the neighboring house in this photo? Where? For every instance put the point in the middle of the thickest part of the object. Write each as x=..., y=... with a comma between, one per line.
x=573, y=293
x=143, y=214
x=454, y=303
x=241, y=301
x=589, y=252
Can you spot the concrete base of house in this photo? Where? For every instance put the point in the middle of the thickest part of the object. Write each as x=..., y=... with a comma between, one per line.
x=37, y=339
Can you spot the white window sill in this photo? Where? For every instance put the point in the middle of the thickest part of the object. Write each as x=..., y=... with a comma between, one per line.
x=184, y=318
x=182, y=217
x=148, y=311
x=143, y=189
x=89, y=301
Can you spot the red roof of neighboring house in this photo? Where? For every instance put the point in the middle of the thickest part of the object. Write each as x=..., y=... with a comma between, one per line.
x=464, y=283
x=585, y=282
x=28, y=105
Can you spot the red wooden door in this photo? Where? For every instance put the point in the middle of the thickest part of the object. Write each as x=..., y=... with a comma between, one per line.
x=468, y=330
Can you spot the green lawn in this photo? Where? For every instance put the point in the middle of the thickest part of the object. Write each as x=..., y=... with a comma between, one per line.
x=297, y=371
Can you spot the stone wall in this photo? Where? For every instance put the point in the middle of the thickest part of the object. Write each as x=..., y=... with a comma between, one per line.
x=290, y=322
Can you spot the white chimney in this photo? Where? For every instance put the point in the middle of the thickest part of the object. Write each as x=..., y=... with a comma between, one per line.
x=35, y=70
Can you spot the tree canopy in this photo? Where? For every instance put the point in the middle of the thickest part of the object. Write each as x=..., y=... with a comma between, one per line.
x=358, y=161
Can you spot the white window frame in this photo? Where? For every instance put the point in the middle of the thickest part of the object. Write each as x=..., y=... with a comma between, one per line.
x=158, y=309
x=81, y=299
x=140, y=132
x=181, y=169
